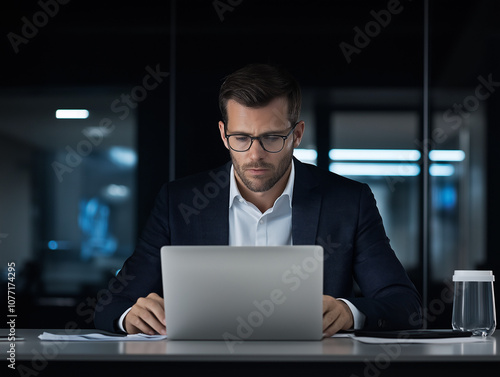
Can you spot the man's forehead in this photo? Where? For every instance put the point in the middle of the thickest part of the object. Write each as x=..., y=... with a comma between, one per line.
x=275, y=112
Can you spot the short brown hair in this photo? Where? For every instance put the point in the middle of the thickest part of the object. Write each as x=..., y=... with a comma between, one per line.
x=256, y=85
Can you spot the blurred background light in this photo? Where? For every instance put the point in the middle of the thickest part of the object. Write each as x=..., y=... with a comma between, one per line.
x=441, y=170
x=375, y=169
x=115, y=192
x=447, y=155
x=123, y=156
x=72, y=114
x=374, y=154
x=309, y=156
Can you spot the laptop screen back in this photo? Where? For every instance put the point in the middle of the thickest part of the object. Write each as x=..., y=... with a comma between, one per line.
x=243, y=293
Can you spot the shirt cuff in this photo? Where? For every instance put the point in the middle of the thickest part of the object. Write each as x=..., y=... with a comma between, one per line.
x=122, y=318
x=358, y=317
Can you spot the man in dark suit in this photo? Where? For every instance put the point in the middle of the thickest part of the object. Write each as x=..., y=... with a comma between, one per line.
x=265, y=196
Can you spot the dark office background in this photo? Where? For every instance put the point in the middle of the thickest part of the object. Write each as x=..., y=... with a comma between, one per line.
x=394, y=75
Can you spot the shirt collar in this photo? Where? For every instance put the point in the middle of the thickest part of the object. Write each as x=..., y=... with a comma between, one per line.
x=234, y=192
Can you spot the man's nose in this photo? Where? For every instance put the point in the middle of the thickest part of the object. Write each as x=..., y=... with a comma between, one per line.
x=256, y=150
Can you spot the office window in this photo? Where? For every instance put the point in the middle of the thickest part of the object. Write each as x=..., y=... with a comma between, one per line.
x=457, y=192
x=380, y=148
x=68, y=194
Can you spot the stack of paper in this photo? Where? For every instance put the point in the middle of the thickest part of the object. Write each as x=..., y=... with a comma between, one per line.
x=100, y=337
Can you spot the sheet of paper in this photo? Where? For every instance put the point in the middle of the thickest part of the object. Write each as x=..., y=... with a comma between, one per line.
x=372, y=340
x=96, y=337
x=341, y=335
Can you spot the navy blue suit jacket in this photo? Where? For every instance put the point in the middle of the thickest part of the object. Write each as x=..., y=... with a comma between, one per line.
x=329, y=210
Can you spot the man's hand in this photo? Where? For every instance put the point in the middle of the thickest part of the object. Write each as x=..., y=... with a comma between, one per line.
x=336, y=316
x=146, y=316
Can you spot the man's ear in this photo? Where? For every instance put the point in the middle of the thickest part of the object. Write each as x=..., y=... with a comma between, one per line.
x=223, y=134
x=298, y=133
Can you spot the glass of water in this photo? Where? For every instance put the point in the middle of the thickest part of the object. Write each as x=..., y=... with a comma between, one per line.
x=474, y=302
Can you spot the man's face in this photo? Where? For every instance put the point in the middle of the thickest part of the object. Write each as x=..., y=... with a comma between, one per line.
x=257, y=169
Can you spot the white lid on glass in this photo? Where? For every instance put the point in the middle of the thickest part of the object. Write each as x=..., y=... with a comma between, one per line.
x=473, y=275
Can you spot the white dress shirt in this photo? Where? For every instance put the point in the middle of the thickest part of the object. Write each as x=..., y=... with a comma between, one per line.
x=248, y=226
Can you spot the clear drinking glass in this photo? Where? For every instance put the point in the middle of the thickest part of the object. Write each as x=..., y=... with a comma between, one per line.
x=474, y=302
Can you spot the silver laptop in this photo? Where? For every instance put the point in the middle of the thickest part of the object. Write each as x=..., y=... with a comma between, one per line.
x=243, y=293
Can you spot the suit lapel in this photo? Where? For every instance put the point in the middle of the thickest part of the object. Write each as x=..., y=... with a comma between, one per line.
x=216, y=225
x=306, y=206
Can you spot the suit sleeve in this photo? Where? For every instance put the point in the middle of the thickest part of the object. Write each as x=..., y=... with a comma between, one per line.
x=390, y=300
x=141, y=272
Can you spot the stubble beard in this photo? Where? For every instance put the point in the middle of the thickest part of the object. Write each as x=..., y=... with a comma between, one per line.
x=257, y=184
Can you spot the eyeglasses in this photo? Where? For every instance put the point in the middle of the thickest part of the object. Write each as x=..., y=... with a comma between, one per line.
x=270, y=143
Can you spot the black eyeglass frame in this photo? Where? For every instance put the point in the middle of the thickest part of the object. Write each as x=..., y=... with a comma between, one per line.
x=252, y=138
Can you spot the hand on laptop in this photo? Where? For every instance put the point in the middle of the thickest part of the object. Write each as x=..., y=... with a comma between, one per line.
x=336, y=316
x=147, y=316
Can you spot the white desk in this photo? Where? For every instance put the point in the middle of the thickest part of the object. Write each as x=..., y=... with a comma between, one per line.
x=345, y=356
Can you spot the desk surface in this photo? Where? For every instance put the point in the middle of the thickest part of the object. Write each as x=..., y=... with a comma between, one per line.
x=327, y=350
